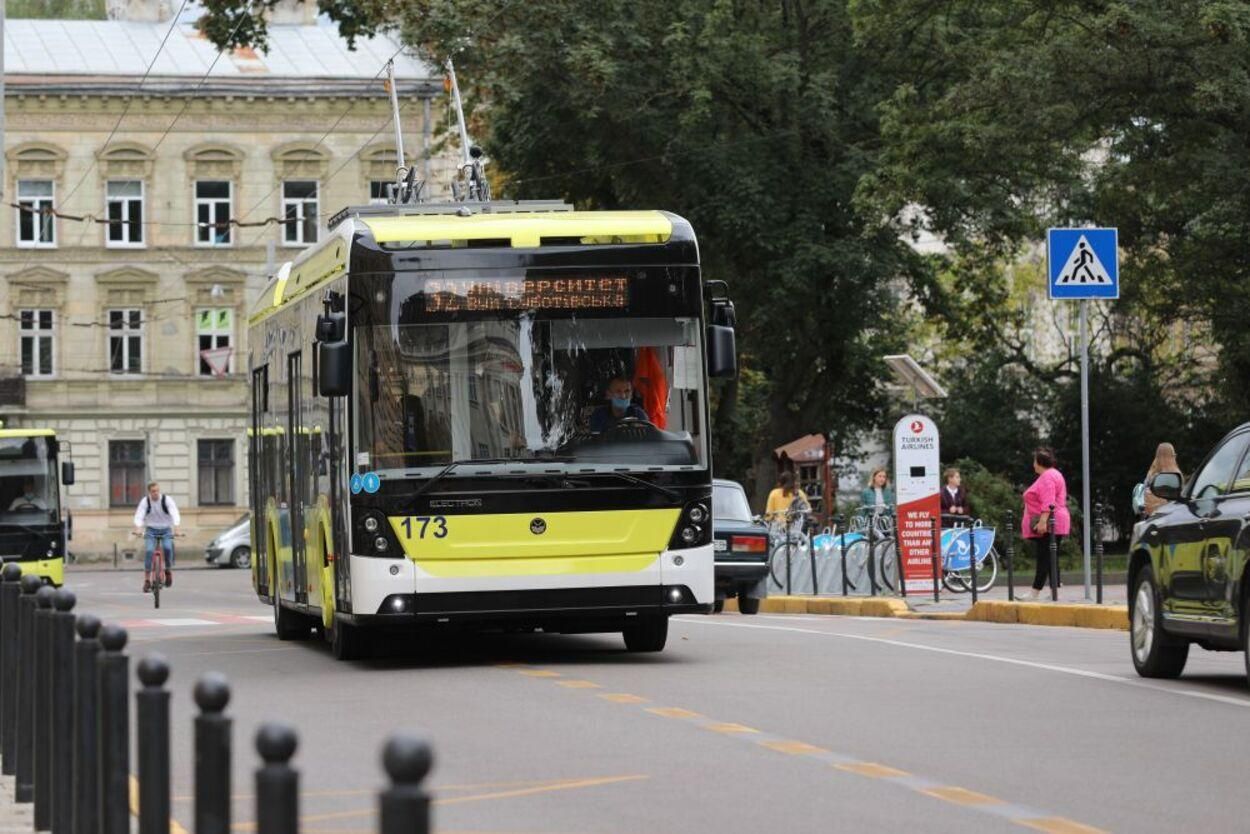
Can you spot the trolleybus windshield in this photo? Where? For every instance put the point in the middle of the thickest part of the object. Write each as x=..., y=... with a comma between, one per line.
x=533, y=387
x=28, y=485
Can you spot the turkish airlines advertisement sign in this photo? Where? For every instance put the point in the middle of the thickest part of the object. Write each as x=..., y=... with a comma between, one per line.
x=917, y=487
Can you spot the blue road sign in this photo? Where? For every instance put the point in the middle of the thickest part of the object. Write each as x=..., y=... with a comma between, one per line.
x=357, y=483
x=1083, y=263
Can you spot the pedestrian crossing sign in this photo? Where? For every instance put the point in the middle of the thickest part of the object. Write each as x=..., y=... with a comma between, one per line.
x=1083, y=263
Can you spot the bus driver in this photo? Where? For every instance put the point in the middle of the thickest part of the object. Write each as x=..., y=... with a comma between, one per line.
x=619, y=406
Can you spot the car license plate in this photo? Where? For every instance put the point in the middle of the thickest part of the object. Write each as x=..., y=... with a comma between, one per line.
x=719, y=545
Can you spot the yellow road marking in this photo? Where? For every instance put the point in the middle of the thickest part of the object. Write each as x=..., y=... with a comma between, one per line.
x=563, y=785
x=175, y=827
x=1058, y=825
x=623, y=698
x=797, y=748
x=673, y=712
x=872, y=770
x=579, y=684
x=961, y=796
x=540, y=673
x=731, y=728
x=435, y=789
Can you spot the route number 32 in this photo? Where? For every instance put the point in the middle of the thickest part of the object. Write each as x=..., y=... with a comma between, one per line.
x=435, y=526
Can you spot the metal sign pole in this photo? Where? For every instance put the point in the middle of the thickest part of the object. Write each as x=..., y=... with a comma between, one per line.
x=1085, y=442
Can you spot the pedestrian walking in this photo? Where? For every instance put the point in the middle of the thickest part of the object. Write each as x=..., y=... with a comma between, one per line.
x=1049, y=489
x=1165, y=461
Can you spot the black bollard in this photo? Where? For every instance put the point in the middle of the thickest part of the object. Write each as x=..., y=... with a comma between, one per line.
x=86, y=756
x=935, y=558
x=277, y=783
x=1010, y=548
x=113, y=766
x=1054, y=555
x=405, y=807
x=9, y=594
x=43, y=708
x=152, y=723
x=838, y=525
x=24, y=791
x=62, y=712
x=1097, y=530
x=972, y=560
x=212, y=756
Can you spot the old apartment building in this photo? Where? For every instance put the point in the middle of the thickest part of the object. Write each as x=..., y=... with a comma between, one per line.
x=173, y=194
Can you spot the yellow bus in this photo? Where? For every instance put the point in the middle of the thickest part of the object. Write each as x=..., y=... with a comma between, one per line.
x=486, y=416
x=34, y=531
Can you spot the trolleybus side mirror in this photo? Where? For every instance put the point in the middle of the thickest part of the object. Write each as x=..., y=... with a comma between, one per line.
x=335, y=361
x=69, y=525
x=1166, y=485
x=722, y=352
x=67, y=472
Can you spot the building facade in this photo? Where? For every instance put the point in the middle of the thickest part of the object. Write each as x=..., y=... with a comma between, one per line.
x=141, y=218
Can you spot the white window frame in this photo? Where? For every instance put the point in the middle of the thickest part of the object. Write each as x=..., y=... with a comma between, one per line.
x=37, y=334
x=126, y=333
x=128, y=221
x=39, y=203
x=213, y=203
x=216, y=334
x=378, y=201
x=300, y=205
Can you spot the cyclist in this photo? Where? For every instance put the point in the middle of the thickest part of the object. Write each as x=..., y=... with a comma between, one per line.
x=157, y=519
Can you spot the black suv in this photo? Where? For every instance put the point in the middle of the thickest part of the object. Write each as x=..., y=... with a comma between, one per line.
x=1187, y=573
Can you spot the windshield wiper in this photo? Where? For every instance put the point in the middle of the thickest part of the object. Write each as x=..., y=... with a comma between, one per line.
x=670, y=494
x=446, y=470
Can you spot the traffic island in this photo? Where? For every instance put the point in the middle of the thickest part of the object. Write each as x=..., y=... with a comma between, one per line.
x=1073, y=615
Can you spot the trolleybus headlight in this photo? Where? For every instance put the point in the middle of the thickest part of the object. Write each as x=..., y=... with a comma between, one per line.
x=371, y=523
x=698, y=513
x=380, y=544
x=690, y=534
x=674, y=594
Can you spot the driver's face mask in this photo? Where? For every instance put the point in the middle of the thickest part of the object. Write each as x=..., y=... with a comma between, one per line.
x=620, y=403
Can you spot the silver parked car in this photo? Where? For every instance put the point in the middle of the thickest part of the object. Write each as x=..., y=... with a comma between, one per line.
x=232, y=548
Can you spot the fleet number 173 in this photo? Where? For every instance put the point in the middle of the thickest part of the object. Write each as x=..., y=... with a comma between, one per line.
x=433, y=525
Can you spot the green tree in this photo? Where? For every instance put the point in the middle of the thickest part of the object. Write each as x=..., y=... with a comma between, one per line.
x=56, y=9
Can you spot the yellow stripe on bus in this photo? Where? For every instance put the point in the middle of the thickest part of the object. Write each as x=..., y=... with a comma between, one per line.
x=536, y=544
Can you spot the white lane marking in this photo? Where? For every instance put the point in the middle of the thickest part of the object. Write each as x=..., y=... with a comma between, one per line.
x=172, y=621
x=1029, y=664
x=258, y=618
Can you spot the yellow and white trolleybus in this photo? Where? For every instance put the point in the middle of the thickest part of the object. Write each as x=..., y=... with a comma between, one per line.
x=434, y=440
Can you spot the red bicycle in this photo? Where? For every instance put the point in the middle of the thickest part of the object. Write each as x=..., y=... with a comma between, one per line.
x=158, y=567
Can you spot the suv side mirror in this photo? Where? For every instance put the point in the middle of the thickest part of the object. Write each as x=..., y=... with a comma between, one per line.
x=67, y=472
x=722, y=351
x=1166, y=485
x=335, y=368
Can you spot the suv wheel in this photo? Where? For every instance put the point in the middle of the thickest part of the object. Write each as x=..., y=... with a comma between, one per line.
x=1155, y=653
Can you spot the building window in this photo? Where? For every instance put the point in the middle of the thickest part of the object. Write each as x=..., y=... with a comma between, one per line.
x=126, y=341
x=299, y=212
x=127, y=468
x=212, y=213
x=216, y=472
x=36, y=225
x=125, y=212
x=35, y=328
x=213, y=330
x=377, y=192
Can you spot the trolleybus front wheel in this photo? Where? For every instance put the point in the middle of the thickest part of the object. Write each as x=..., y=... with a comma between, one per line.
x=287, y=624
x=347, y=642
x=646, y=634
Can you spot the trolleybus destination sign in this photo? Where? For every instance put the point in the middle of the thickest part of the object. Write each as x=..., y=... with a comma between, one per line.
x=917, y=484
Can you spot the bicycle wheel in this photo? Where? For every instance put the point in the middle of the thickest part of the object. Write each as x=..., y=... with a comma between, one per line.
x=987, y=573
x=886, y=563
x=158, y=577
x=857, y=578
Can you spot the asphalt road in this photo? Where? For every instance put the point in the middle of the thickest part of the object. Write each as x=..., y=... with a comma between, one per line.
x=766, y=723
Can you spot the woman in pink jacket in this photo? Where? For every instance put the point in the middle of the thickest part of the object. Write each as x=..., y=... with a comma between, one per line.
x=1048, y=490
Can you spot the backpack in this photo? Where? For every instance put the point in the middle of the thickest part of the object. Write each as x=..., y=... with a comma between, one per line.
x=164, y=506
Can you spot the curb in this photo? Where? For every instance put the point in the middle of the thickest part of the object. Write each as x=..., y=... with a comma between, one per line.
x=985, y=611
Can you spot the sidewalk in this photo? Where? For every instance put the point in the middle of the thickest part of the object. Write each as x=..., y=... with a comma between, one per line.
x=1068, y=595
x=14, y=818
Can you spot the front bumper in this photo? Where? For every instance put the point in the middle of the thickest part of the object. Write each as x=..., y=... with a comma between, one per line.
x=213, y=554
